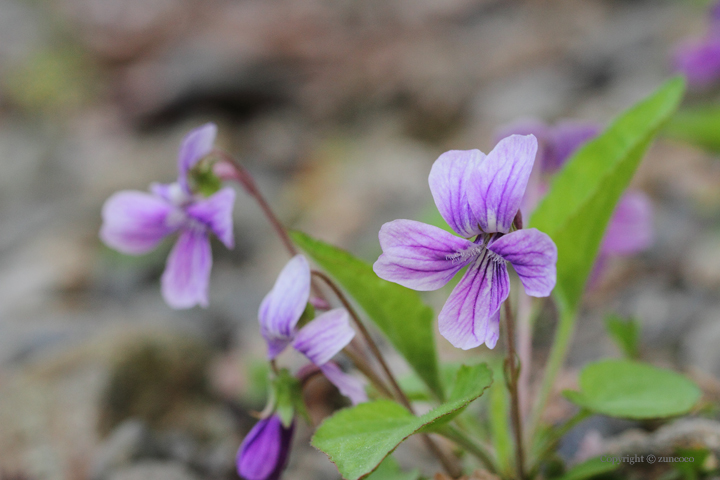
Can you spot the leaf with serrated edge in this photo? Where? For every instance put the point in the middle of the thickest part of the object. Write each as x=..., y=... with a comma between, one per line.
x=357, y=439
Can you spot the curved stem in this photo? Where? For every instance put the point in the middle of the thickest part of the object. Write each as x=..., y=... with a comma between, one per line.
x=512, y=383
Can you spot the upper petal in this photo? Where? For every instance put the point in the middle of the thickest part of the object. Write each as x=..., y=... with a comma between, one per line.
x=471, y=315
x=349, y=386
x=216, y=213
x=533, y=255
x=631, y=226
x=135, y=222
x=264, y=452
x=420, y=256
x=187, y=272
x=497, y=187
x=324, y=337
x=196, y=145
x=448, y=180
x=284, y=304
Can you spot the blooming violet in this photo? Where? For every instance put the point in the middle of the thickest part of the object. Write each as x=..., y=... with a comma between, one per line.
x=320, y=340
x=135, y=223
x=478, y=196
x=265, y=450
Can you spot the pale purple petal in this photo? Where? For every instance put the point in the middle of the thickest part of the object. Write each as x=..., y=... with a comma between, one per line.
x=699, y=62
x=349, y=386
x=216, y=213
x=265, y=450
x=631, y=226
x=187, y=272
x=470, y=316
x=136, y=222
x=196, y=145
x=499, y=184
x=283, y=306
x=533, y=255
x=566, y=138
x=448, y=180
x=420, y=256
x=324, y=337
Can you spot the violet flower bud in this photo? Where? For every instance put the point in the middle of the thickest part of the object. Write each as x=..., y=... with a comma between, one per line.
x=265, y=450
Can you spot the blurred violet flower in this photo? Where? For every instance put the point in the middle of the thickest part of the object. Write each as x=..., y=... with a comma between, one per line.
x=320, y=340
x=479, y=197
x=699, y=59
x=630, y=229
x=265, y=450
x=135, y=223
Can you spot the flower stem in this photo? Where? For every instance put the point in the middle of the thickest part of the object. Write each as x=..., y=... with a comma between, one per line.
x=450, y=465
x=512, y=384
x=240, y=174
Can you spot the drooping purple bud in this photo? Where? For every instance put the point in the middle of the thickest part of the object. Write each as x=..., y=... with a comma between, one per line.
x=264, y=453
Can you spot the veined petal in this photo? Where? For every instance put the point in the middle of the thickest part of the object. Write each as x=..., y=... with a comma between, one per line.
x=216, y=213
x=264, y=452
x=135, y=222
x=196, y=145
x=420, y=256
x=498, y=186
x=349, y=386
x=631, y=226
x=448, y=180
x=471, y=315
x=533, y=255
x=187, y=272
x=283, y=306
x=324, y=337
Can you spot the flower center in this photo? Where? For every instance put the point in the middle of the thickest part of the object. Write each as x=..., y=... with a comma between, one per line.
x=466, y=254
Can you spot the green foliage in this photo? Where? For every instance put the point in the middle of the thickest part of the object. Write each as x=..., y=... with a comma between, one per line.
x=582, y=197
x=397, y=311
x=625, y=333
x=357, y=439
x=580, y=203
x=699, y=126
x=627, y=389
x=203, y=180
x=390, y=470
x=499, y=414
x=589, y=469
x=287, y=396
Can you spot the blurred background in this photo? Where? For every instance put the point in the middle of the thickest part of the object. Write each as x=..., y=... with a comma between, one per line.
x=338, y=108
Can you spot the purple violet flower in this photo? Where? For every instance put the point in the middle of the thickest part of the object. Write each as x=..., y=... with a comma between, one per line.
x=320, y=340
x=264, y=453
x=135, y=223
x=478, y=196
x=699, y=59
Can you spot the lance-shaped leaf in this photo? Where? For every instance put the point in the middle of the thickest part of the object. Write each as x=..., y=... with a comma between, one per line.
x=627, y=389
x=699, y=126
x=581, y=201
x=357, y=439
x=397, y=311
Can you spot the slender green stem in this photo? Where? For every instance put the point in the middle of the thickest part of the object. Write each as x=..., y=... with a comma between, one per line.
x=478, y=450
x=512, y=383
x=558, y=352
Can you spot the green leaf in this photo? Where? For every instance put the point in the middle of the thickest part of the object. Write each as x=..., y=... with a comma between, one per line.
x=397, y=311
x=627, y=389
x=625, y=333
x=357, y=439
x=699, y=126
x=589, y=469
x=390, y=470
x=582, y=197
x=581, y=201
